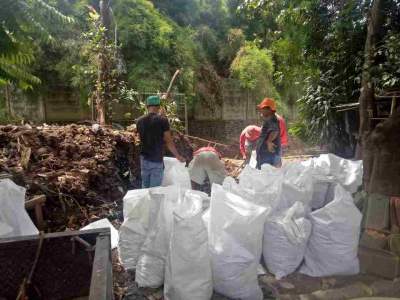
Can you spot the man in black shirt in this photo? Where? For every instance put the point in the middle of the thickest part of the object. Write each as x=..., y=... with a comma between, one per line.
x=268, y=147
x=154, y=131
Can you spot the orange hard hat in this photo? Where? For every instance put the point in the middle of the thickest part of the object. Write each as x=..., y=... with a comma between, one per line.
x=267, y=102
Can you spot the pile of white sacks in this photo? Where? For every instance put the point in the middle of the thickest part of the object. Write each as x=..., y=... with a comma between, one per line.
x=298, y=218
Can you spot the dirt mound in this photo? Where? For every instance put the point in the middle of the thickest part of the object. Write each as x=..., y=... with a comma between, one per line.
x=83, y=171
x=74, y=166
x=75, y=161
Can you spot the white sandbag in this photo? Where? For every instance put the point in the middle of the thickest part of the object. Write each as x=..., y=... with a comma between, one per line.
x=323, y=191
x=253, y=160
x=140, y=212
x=285, y=240
x=297, y=185
x=150, y=268
x=268, y=197
x=14, y=220
x=347, y=172
x=235, y=238
x=333, y=244
x=206, y=218
x=260, y=180
x=188, y=267
x=105, y=223
x=205, y=199
x=175, y=173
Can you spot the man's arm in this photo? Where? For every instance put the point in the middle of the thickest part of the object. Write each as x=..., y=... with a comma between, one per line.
x=242, y=142
x=271, y=138
x=171, y=146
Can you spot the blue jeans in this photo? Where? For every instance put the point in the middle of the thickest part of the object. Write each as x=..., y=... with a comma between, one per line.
x=271, y=159
x=278, y=158
x=152, y=173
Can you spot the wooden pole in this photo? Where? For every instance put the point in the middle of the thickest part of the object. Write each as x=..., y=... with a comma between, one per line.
x=186, y=118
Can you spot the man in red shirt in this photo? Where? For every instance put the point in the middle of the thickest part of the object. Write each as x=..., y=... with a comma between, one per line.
x=249, y=136
x=248, y=140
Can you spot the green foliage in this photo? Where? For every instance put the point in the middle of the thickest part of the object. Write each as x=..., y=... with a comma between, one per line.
x=3, y=114
x=22, y=23
x=131, y=96
x=254, y=69
x=234, y=41
x=386, y=74
x=153, y=46
x=101, y=54
x=252, y=66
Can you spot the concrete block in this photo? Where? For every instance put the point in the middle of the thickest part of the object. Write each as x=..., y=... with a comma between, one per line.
x=379, y=262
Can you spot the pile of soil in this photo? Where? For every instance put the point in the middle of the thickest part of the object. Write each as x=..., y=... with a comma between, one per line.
x=74, y=166
x=84, y=171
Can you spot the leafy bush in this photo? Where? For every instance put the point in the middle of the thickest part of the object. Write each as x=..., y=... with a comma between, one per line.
x=253, y=67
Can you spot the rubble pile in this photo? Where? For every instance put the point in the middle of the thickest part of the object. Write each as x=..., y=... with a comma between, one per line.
x=77, y=163
x=183, y=145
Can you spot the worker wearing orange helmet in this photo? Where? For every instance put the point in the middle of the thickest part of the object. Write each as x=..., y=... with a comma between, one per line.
x=268, y=147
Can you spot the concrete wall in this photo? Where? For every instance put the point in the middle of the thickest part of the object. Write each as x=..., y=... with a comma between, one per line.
x=27, y=108
x=225, y=121
x=63, y=106
x=219, y=130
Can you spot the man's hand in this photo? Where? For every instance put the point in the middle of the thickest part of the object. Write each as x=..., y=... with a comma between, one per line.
x=271, y=146
x=163, y=112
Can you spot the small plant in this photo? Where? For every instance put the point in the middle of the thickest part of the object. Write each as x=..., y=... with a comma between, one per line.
x=101, y=54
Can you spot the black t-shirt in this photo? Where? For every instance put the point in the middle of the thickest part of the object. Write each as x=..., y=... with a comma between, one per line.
x=151, y=128
x=270, y=125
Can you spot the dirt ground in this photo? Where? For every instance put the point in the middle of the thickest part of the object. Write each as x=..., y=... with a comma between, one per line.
x=294, y=287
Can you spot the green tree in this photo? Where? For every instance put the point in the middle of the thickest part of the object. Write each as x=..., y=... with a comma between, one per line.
x=22, y=24
x=254, y=69
x=153, y=47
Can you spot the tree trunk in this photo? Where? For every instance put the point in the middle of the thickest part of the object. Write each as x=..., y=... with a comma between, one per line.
x=103, y=106
x=105, y=15
x=366, y=99
x=101, y=100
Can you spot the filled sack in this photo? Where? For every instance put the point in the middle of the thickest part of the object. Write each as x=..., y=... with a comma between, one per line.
x=333, y=244
x=188, y=267
x=235, y=238
x=285, y=240
x=297, y=186
x=140, y=212
x=175, y=173
x=150, y=268
x=14, y=220
x=348, y=173
x=268, y=197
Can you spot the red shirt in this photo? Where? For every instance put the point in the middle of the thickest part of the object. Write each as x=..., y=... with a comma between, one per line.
x=250, y=133
x=283, y=131
x=205, y=149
